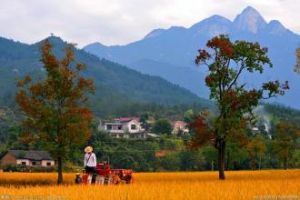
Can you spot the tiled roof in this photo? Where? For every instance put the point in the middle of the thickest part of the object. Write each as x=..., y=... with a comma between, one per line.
x=179, y=123
x=127, y=119
x=31, y=154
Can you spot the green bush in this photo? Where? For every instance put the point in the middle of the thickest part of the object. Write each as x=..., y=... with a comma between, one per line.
x=24, y=168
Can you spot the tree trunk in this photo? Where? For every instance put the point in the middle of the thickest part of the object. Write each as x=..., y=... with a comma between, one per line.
x=59, y=171
x=228, y=161
x=221, y=159
x=285, y=163
x=259, y=164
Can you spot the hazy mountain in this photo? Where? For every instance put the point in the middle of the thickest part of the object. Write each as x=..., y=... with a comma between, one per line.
x=249, y=21
x=182, y=76
x=175, y=48
x=116, y=85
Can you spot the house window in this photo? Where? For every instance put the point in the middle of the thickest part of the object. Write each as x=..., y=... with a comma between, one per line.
x=33, y=163
x=133, y=127
x=114, y=127
x=23, y=163
x=120, y=127
x=108, y=127
x=48, y=163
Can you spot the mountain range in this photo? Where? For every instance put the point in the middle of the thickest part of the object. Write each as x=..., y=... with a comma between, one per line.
x=117, y=87
x=170, y=53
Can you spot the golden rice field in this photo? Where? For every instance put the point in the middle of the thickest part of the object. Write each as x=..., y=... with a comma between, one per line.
x=268, y=184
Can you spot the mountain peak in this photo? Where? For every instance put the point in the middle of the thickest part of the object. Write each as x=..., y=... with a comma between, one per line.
x=212, y=26
x=276, y=24
x=251, y=10
x=215, y=19
x=53, y=38
x=97, y=44
x=275, y=27
x=250, y=20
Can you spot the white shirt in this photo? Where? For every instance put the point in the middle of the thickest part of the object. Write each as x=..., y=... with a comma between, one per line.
x=90, y=160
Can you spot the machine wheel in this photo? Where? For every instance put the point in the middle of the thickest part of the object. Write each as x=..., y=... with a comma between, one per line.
x=116, y=179
x=128, y=179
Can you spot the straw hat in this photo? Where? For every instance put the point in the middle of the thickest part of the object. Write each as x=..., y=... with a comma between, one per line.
x=88, y=149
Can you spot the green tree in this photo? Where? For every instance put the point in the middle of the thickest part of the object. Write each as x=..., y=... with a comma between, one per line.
x=256, y=149
x=162, y=126
x=296, y=158
x=54, y=108
x=170, y=162
x=211, y=156
x=285, y=141
x=189, y=116
x=191, y=160
x=236, y=155
x=226, y=62
x=144, y=121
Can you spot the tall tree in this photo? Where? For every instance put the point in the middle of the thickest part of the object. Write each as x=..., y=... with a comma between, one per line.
x=226, y=62
x=54, y=108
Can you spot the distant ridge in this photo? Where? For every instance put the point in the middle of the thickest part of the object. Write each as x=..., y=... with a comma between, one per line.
x=177, y=47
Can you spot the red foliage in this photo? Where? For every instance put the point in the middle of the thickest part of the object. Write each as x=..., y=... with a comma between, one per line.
x=223, y=44
x=209, y=81
x=202, y=56
x=203, y=133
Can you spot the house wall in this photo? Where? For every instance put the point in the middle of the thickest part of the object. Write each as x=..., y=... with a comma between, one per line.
x=121, y=129
x=179, y=126
x=8, y=159
x=114, y=128
x=137, y=125
x=19, y=161
x=35, y=163
x=140, y=135
x=44, y=163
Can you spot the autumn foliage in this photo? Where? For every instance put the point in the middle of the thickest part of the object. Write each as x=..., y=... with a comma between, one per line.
x=226, y=61
x=54, y=108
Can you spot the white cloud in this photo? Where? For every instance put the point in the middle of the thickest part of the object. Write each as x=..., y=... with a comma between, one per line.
x=123, y=21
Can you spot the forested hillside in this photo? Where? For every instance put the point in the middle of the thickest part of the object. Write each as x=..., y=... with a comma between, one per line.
x=116, y=85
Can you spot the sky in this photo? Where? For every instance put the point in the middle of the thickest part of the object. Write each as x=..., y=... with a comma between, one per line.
x=114, y=22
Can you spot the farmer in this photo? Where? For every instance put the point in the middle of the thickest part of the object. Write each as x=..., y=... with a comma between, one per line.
x=90, y=163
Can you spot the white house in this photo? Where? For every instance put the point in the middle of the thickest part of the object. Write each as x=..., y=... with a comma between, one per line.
x=179, y=127
x=125, y=127
x=28, y=158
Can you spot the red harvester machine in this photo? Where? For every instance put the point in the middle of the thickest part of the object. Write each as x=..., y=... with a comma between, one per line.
x=106, y=175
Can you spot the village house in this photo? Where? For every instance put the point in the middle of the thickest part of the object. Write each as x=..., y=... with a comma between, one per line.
x=27, y=158
x=179, y=127
x=124, y=127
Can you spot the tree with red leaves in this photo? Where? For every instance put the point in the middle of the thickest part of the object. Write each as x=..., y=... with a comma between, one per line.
x=226, y=62
x=55, y=113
